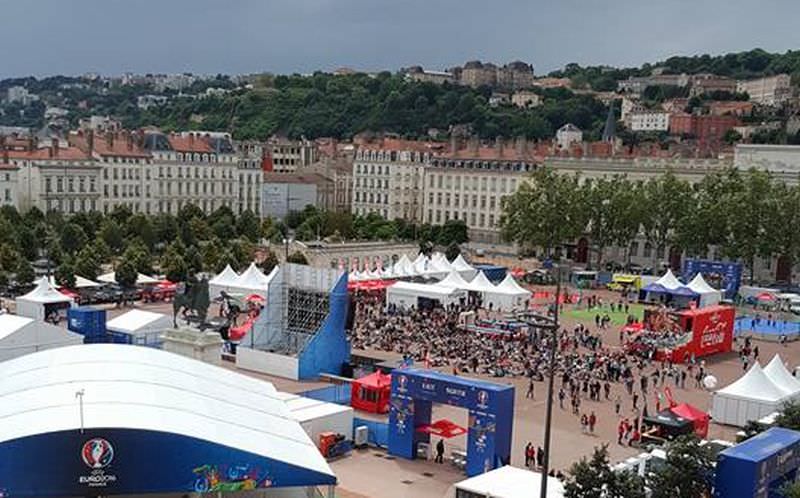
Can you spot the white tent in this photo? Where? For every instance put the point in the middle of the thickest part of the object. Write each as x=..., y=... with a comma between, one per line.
x=440, y=261
x=669, y=281
x=750, y=397
x=253, y=281
x=780, y=376
x=141, y=279
x=80, y=283
x=403, y=267
x=145, y=327
x=21, y=335
x=709, y=296
x=481, y=284
x=42, y=301
x=510, y=295
x=222, y=282
x=408, y=294
x=464, y=268
x=454, y=280
x=506, y=482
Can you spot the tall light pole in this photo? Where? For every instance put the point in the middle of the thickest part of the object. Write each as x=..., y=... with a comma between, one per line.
x=79, y=395
x=550, y=384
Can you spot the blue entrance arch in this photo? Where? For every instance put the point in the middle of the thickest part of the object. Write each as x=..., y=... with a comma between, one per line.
x=491, y=415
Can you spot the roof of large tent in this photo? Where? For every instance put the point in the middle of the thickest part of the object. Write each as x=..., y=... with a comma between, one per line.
x=80, y=283
x=481, y=284
x=412, y=287
x=780, y=376
x=441, y=261
x=187, y=405
x=226, y=277
x=45, y=293
x=754, y=385
x=699, y=285
x=454, y=280
x=136, y=320
x=510, y=285
x=141, y=279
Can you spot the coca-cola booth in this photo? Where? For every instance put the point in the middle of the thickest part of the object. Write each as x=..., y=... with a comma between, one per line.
x=710, y=332
x=372, y=393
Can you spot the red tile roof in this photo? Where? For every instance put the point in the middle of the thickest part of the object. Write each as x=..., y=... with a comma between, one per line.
x=108, y=144
x=190, y=143
x=61, y=153
x=396, y=144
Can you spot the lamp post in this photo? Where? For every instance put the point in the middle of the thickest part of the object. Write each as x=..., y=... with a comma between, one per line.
x=552, y=367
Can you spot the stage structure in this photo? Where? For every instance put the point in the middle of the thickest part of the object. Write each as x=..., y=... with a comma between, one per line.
x=726, y=276
x=301, y=332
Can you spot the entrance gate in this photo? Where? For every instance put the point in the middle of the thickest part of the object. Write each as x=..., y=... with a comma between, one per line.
x=491, y=415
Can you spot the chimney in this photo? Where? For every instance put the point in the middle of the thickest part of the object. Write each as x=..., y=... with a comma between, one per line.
x=129, y=140
x=453, y=143
x=31, y=145
x=521, y=144
x=498, y=145
x=54, y=146
x=110, y=139
x=474, y=144
x=90, y=141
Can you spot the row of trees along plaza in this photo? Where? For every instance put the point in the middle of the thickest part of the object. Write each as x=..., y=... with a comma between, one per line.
x=177, y=246
x=743, y=214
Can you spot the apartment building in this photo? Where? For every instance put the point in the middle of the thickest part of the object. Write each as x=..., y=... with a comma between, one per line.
x=251, y=158
x=289, y=156
x=770, y=91
x=709, y=83
x=647, y=121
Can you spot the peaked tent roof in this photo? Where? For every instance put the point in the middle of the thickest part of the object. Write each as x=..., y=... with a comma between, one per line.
x=253, y=278
x=481, y=284
x=141, y=279
x=226, y=277
x=460, y=264
x=45, y=293
x=699, y=285
x=441, y=261
x=154, y=391
x=454, y=280
x=689, y=412
x=80, y=283
x=754, y=385
x=780, y=376
x=669, y=281
x=509, y=285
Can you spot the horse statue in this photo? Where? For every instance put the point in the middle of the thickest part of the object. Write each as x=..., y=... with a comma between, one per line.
x=192, y=303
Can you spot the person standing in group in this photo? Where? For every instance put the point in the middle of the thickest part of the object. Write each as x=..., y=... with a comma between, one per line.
x=617, y=404
x=439, y=452
x=530, y=454
x=529, y=394
x=584, y=423
x=539, y=457
x=592, y=422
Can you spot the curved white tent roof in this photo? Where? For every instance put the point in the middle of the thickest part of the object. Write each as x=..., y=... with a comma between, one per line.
x=128, y=387
x=226, y=277
x=753, y=385
x=253, y=278
x=780, y=376
x=669, y=281
x=80, y=283
x=699, y=285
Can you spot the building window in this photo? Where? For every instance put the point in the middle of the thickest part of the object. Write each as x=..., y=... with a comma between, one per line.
x=47, y=185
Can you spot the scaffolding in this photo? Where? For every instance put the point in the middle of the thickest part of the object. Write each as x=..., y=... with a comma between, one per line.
x=298, y=302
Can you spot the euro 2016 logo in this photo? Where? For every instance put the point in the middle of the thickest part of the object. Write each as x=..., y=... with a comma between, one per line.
x=483, y=399
x=97, y=453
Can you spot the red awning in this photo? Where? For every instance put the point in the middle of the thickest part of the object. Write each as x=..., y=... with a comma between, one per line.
x=689, y=412
x=443, y=428
x=765, y=296
x=376, y=380
x=255, y=298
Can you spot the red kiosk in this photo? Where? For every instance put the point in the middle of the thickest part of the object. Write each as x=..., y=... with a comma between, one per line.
x=371, y=393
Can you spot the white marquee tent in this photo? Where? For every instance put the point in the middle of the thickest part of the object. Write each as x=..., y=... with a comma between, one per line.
x=709, y=296
x=464, y=268
x=222, y=282
x=780, y=376
x=80, y=283
x=750, y=397
x=506, y=482
x=145, y=327
x=408, y=294
x=20, y=335
x=141, y=279
x=41, y=301
x=669, y=281
x=510, y=295
x=253, y=281
x=454, y=280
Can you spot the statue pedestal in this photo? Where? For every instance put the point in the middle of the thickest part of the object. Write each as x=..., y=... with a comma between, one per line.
x=185, y=341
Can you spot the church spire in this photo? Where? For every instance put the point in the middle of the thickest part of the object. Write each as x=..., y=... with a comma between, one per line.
x=610, y=130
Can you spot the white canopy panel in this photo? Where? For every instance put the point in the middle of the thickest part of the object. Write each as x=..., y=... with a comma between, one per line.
x=20, y=335
x=508, y=482
x=669, y=281
x=481, y=284
x=148, y=389
x=777, y=372
x=44, y=292
x=749, y=398
x=138, y=322
x=226, y=277
x=141, y=279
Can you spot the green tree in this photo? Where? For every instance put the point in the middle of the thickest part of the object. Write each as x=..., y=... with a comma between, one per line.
x=791, y=490
x=211, y=256
x=27, y=242
x=666, y=201
x=139, y=226
x=175, y=267
x=687, y=472
x=86, y=263
x=269, y=262
x=597, y=195
x=544, y=212
x=452, y=251
x=248, y=226
x=199, y=230
x=24, y=272
x=126, y=274
x=224, y=228
x=789, y=417
x=112, y=234
x=165, y=228
x=138, y=255
x=783, y=223
x=65, y=274
x=297, y=258
x=593, y=478
x=194, y=261
x=73, y=238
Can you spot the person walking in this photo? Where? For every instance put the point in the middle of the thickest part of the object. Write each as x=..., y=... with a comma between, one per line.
x=592, y=422
x=439, y=452
x=539, y=457
x=529, y=394
x=530, y=454
x=584, y=423
x=635, y=400
x=561, y=396
x=617, y=404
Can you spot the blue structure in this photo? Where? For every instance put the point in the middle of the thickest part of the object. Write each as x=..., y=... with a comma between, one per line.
x=726, y=276
x=495, y=273
x=87, y=321
x=491, y=415
x=759, y=466
x=329, y=348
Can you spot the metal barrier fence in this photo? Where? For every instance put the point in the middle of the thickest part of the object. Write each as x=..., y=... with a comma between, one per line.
x=378, y=432
x=338, y=393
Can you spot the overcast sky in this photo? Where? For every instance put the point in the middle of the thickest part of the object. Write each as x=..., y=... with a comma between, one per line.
x=43, y=37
